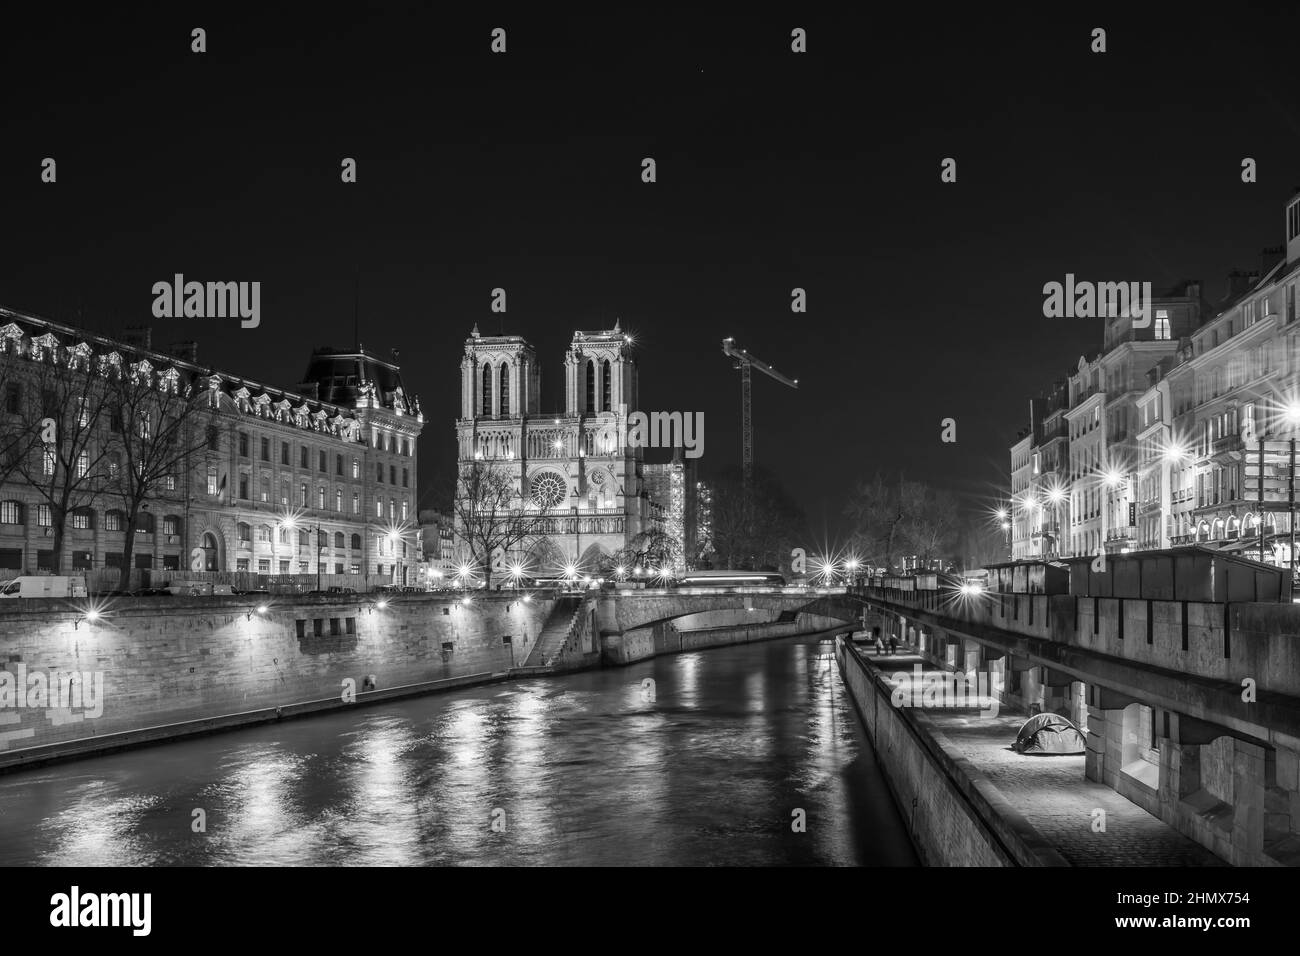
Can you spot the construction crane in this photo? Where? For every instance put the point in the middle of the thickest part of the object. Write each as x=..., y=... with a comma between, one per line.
x=744, y=361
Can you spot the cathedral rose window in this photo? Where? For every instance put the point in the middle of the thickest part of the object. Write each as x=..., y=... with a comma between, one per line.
x=548, y=490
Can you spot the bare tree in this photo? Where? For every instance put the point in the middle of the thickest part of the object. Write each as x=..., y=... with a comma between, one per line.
x=875, y=510
x=64, y=460
x=647, y=549
x=156, y=431
x=930, y=524
x=758, y=530
x=491, y=516
x=17, y=433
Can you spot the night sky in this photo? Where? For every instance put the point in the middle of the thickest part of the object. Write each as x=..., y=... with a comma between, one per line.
x=775, y=170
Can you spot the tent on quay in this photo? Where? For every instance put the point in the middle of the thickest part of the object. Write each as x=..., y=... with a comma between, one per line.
x=1049, y=734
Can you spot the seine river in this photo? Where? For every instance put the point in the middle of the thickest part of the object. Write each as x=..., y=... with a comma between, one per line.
x=747, y=756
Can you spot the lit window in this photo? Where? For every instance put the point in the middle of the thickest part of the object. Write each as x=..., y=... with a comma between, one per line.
x=47, y=462
x=1162, y=324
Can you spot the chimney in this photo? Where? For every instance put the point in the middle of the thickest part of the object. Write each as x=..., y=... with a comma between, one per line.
x=1271, y=257
x=1239, y=282
x=138, y=336
x=185, y=351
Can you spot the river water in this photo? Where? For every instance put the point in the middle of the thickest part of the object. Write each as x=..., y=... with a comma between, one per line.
x=715, y=762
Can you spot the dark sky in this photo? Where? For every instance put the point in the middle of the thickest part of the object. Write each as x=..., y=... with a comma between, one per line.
x=775, y=170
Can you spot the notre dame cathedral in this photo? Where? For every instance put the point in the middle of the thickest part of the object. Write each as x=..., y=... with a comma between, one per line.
x=573, y=466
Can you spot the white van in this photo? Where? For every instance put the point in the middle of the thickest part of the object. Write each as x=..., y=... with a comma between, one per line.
x=44, y=586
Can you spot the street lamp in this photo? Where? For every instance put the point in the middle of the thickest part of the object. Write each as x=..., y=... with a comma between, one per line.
x=291, y=523
x=1111, y=478
x=1292, y=415
x=1056, y=495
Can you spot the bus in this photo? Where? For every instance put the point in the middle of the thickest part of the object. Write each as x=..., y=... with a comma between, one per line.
x=731, y=579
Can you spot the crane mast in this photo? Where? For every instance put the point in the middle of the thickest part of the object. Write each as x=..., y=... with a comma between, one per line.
x=747, y=363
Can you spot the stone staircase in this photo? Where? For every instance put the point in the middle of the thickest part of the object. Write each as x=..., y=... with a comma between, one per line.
x=555, y=635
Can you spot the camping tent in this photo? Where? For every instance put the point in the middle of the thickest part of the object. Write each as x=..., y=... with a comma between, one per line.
x=1049, y=734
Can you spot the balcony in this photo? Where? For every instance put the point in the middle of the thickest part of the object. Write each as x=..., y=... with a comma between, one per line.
x=1227, y=449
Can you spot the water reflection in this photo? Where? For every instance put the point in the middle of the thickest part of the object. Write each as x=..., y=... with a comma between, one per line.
x=704, y=767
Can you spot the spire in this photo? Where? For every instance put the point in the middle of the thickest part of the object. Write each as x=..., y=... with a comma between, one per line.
x=475, y=332
x=616, y=328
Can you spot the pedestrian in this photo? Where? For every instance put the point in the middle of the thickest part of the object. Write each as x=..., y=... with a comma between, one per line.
x=893, y=644
x=880, y=647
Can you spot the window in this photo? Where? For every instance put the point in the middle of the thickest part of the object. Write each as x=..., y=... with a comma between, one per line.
x=355, y=568
x=169, y=482
x=214, y=438
x=284, y=569
x=243, y=487
x=1162, y=324
x=304, y=538
x=591, y=385
x=284, y=491
x=403, y=509
x=266, y=449
x=338, y=500
x=171, y=525
x=392, y=474
x=605, y=379
x=14, y=400
x=11, y=512
x=356, y=503
x=338, y=540
x=284, y=453
x=406, y=477
x=83, y=411
x=113, y=520
x=243, y=444
x=406, y=448
x=83, y=463
x=379, y=507
x=320, y=460
x=264, y=532
x=379, y=472
x=504, y=390
x=81, y=519
x=338, y=464
x=487, y=389
x=263, y=565
x=392, y=508
x=320, y=498
x=302, y=457
x=284, y=535
x=212, y=481
x=245, y=533
x=356, y=468
x=47, y=462
x=356, y=542
x=265, y=493
x=302, y=495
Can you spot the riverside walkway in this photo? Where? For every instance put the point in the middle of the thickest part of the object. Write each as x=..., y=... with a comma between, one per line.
x=1051, y=792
